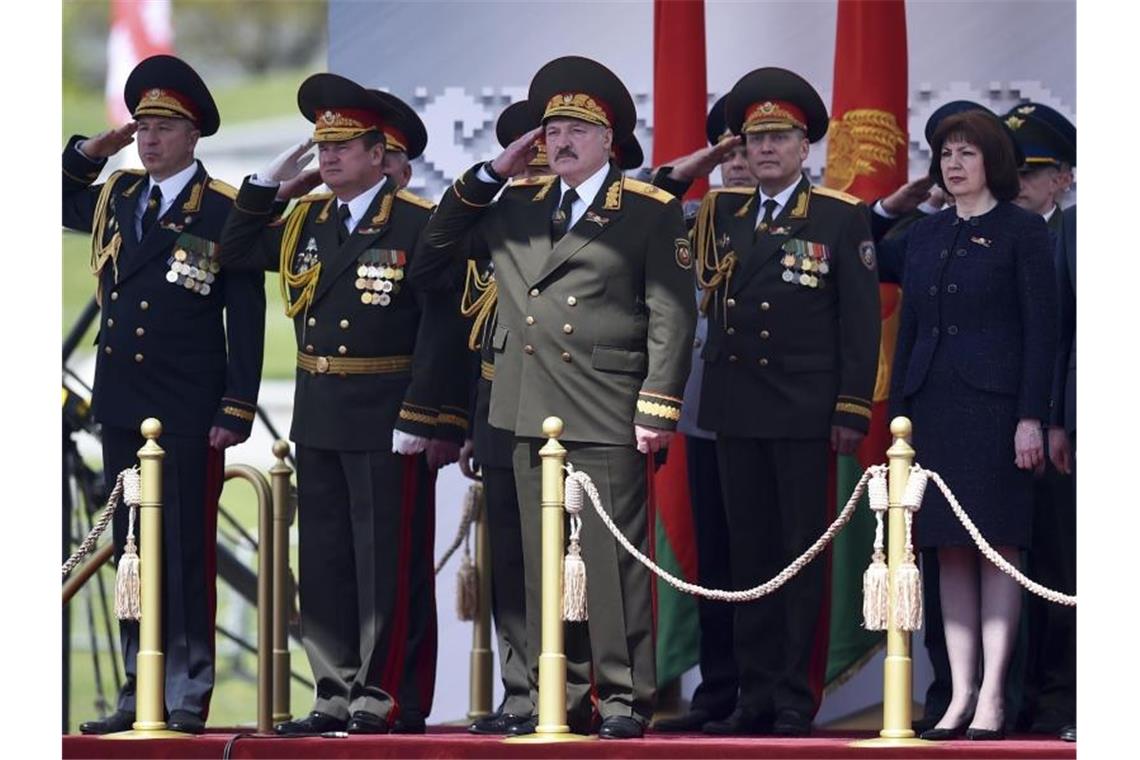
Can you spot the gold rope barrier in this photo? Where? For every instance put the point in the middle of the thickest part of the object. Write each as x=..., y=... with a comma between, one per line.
x=481, y=689
x=283, y=514
x=897, y=668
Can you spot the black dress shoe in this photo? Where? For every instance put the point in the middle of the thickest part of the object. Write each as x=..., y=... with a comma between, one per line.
x=741, y=722
x=690, y=722
x=942, y=734
x=185, y=722
x=366, y=723
x=523, y=727
x=925, y=723
x=497, y=723
x=985, y=734
x=620, y=727
x=314, y=723
x=120, y=720
x=791, y=723
x=1050, y=722
x=1068, y=733
x=409, y=724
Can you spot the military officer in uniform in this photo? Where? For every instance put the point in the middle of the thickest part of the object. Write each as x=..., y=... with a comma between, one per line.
x=369, y=344
x=179, y=340
x=790, y=361
x=594, y=280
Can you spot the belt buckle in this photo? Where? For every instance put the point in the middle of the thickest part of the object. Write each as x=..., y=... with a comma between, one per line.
x=322, y=365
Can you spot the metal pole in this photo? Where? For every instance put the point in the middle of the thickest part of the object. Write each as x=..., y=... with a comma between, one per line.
x=480, y=678
x=282, y=516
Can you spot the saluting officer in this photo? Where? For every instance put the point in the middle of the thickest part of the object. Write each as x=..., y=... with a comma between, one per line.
x=595, y=294
x=179, y=340
x=368, y=347
x=790, y=361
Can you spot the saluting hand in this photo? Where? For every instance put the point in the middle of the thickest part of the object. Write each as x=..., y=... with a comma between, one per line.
x=107, y=144
x=288, y=164
x=908, y=197
x=302, y=184
x=1029, y=446
x=515, y=157
x=700, y=163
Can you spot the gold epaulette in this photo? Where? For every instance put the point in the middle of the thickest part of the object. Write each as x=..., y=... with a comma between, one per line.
x=541, y=179
x=414, y=199
x=223, y=188
x=314, y=197
x=837, y=194
x=646, y=189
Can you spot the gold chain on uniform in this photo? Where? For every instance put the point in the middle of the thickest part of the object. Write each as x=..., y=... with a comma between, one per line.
x=712, y=275
x=305, y=281
x=100, y=253
x=481, y=307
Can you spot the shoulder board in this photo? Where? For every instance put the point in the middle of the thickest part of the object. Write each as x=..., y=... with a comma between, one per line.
x=121, y=172
x=737, y=190
x=414, y=199
x=646, y=189
x=837, y=194
x=541, y=179
x=314, y=197
x=223, y=188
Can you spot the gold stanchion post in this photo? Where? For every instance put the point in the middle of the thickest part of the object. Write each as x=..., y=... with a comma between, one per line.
x=481, y=687
x=280, y=474
x=897, y=668
x=150, y=678
x=552, y=726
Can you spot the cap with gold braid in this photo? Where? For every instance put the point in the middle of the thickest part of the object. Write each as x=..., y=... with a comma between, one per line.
x=515, y=121
x=341, y=109
x=580, y=88
x=771, y=99
x=715, y=127
x=1046, y=137
x=163, y=85
x=404, y=131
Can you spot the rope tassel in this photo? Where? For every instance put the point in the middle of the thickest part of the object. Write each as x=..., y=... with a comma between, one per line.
x=908, y=580
x=875, y=578
x=574, y=607
x=128, y=594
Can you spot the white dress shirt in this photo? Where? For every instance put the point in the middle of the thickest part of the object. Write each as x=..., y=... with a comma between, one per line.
x=171, y=187
x=358, y=206
x=781, y=199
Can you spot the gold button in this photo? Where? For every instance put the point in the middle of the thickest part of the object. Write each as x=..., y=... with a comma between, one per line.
x=342, y=350
x=144, y=305
x=140, y=332
x=764, y=334
x=529, y=349
x=763, y=362
x=312, y=321
x=731, y=302
x=731, y=331
x=534, y=292
x=568, y=328
x=138, y=357
x=107, y=350
x=322, y=364
x=565, y=356
x=572, y=301
x=110, y=322
x=114, y=295
x=309, y=348
x=344, y=324
x=764, y=306
x=732, y=357
x=529, y=320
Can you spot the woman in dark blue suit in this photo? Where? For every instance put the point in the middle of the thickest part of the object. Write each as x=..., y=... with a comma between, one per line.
x=975, y=351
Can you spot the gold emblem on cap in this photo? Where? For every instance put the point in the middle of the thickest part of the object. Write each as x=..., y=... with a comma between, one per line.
x=154, y=94
x=328, y=117
x=1026, y=110
x=1014, y=123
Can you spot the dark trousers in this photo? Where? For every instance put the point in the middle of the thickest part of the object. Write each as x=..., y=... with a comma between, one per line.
x=417, y=685
x=358, y=563
x=775, y=491
x=192, y=474
x=716, y=693
x=508, y=596
x=618, y=637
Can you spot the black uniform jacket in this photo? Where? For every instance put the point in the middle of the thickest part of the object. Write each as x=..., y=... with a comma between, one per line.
x=596, y=329
x=353, y=301
x=165, y=350
x=793, y=335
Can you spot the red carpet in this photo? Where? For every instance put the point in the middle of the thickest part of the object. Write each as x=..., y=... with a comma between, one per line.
x=455, y=742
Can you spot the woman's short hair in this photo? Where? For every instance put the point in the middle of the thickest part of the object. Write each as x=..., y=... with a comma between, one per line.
x=984, y=131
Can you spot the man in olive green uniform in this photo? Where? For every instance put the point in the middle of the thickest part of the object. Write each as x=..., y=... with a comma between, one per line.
x=790, y=361
x=595, y=296
x=366, y=405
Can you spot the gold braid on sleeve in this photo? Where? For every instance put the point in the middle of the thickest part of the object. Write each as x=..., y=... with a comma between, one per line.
x=712, y=269
x=305, y=281
x=480, y=298
x=101, y=253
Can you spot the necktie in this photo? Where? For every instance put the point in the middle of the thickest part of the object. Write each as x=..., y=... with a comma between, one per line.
x=153, y=204
x=560, y=222
x=343, y=213
x=769, y=212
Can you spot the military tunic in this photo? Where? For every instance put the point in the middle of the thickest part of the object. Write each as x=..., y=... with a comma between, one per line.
x=181, y=341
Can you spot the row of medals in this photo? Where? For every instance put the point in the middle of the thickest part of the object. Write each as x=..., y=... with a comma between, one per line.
x=379, y=283
x=807, y=266
x=192, y=272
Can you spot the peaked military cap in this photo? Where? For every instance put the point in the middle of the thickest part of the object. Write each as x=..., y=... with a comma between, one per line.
x=1044, y=134
x=770, y=99
x=716, y=128
x=581, y=88
x=341, y=109
x=404, y=131
x=515, y=121
x=628, y=153
x=163, y=85
x=962, y=106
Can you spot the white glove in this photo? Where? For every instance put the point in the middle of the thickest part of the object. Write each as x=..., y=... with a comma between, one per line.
x=287, y=165
x=405, y=443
